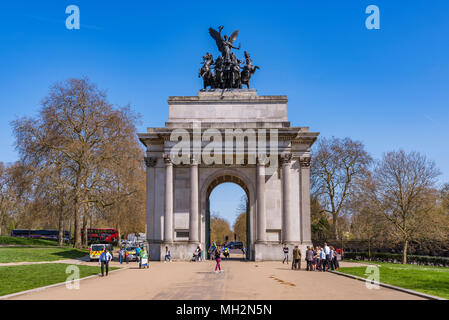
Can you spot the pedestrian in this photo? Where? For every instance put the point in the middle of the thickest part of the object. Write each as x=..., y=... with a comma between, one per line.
x=198, y=254
x=244, y=253
x=144, y=257
x=335, y=260
x=121, y=253
x=285, y=250
x=213, y=248
x=167, y=255
x=217, y=254
x=126, y=256
x=137, y=254
x=327, y=250
x=296, y=259
x=104, y=259
x=323, y=260
x=201, y=252
x=309, y=259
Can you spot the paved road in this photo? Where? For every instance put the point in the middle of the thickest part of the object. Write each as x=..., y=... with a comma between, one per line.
x=197, y=280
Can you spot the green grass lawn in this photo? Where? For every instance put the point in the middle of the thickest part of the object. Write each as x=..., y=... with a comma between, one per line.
x=26, y=241
x=21, y=278
x=18, y=254
x=426, y=279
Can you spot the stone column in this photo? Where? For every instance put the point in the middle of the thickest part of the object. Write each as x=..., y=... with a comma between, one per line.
x=193, y=221
x=261, y=216
x=150, y=162
x=168, y=217
x=287, y=234
x=306, y=236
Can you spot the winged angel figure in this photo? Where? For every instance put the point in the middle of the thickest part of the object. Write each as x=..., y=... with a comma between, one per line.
x=224, y=45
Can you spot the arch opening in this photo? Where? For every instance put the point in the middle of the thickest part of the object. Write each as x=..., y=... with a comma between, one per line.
x=228, y=198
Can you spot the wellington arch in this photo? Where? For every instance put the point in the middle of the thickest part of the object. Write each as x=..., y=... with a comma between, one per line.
x=278, y=190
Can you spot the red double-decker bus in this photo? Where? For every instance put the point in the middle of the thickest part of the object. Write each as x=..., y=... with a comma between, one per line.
x=103, y=235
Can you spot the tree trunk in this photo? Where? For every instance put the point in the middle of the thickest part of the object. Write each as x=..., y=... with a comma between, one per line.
x=77, y=222
x=369, y=249
x=119, y=236
x=404, y=254
x=60, y=230
x=334, y=225
x=85, y=222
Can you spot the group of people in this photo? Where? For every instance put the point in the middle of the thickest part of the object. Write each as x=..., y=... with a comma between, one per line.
x=317, y=258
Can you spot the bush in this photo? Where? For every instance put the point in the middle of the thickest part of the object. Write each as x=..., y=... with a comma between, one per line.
x=397, y=258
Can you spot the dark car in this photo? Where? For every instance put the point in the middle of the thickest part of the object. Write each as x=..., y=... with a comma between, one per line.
x=235, y=245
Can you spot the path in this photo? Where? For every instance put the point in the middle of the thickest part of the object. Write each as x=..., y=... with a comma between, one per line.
x=196, y=280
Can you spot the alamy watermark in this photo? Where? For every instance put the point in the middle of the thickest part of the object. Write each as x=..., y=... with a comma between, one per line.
x=373, y=277
x=73, y=20
x=73, y=280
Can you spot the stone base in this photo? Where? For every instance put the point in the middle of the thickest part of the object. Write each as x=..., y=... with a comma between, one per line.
x=178, y=250
x=274, y=252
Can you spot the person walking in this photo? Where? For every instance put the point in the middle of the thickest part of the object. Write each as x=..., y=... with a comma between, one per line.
x=244, y=253
x=309, y=259
x=217, y=254
x=296, y=259
x=167, y=255
x=201, y=252
x=104, y=259
x=285, y=250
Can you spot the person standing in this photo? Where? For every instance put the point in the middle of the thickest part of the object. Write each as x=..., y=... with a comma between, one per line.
x=330, y=264
x=137, y=254
x=144, y=257
x=327, y=250
x=121, y=253
x=285, y=250
x=323, y=260
x=296, y=259
x=126, y=256
x=167, y=255
x=335, y=260
x=309, y=259
x=104, y=259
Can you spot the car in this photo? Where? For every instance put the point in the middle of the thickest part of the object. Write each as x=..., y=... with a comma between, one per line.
x=95, y=250
x=236, y=245
x=131, y=253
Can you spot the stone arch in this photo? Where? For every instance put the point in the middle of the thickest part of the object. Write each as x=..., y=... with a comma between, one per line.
x=223, y=175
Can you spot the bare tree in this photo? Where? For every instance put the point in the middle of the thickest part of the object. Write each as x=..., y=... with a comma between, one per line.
x=77, y=131
x=367, y=223
x=404, y=192
x=337, y=164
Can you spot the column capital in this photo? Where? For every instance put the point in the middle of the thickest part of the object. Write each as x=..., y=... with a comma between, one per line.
x=285, y=158
x=167, y=159
x=305, y=162
x=194, y=161
x=150, y=161
x=262, y=160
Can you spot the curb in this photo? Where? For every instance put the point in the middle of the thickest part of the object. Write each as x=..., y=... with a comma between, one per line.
x=389, y=286
x=51, y=286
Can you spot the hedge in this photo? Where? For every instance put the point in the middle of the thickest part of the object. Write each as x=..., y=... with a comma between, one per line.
x=397, y=258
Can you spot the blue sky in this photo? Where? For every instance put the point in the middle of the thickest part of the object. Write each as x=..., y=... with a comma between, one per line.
x=388, y=88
